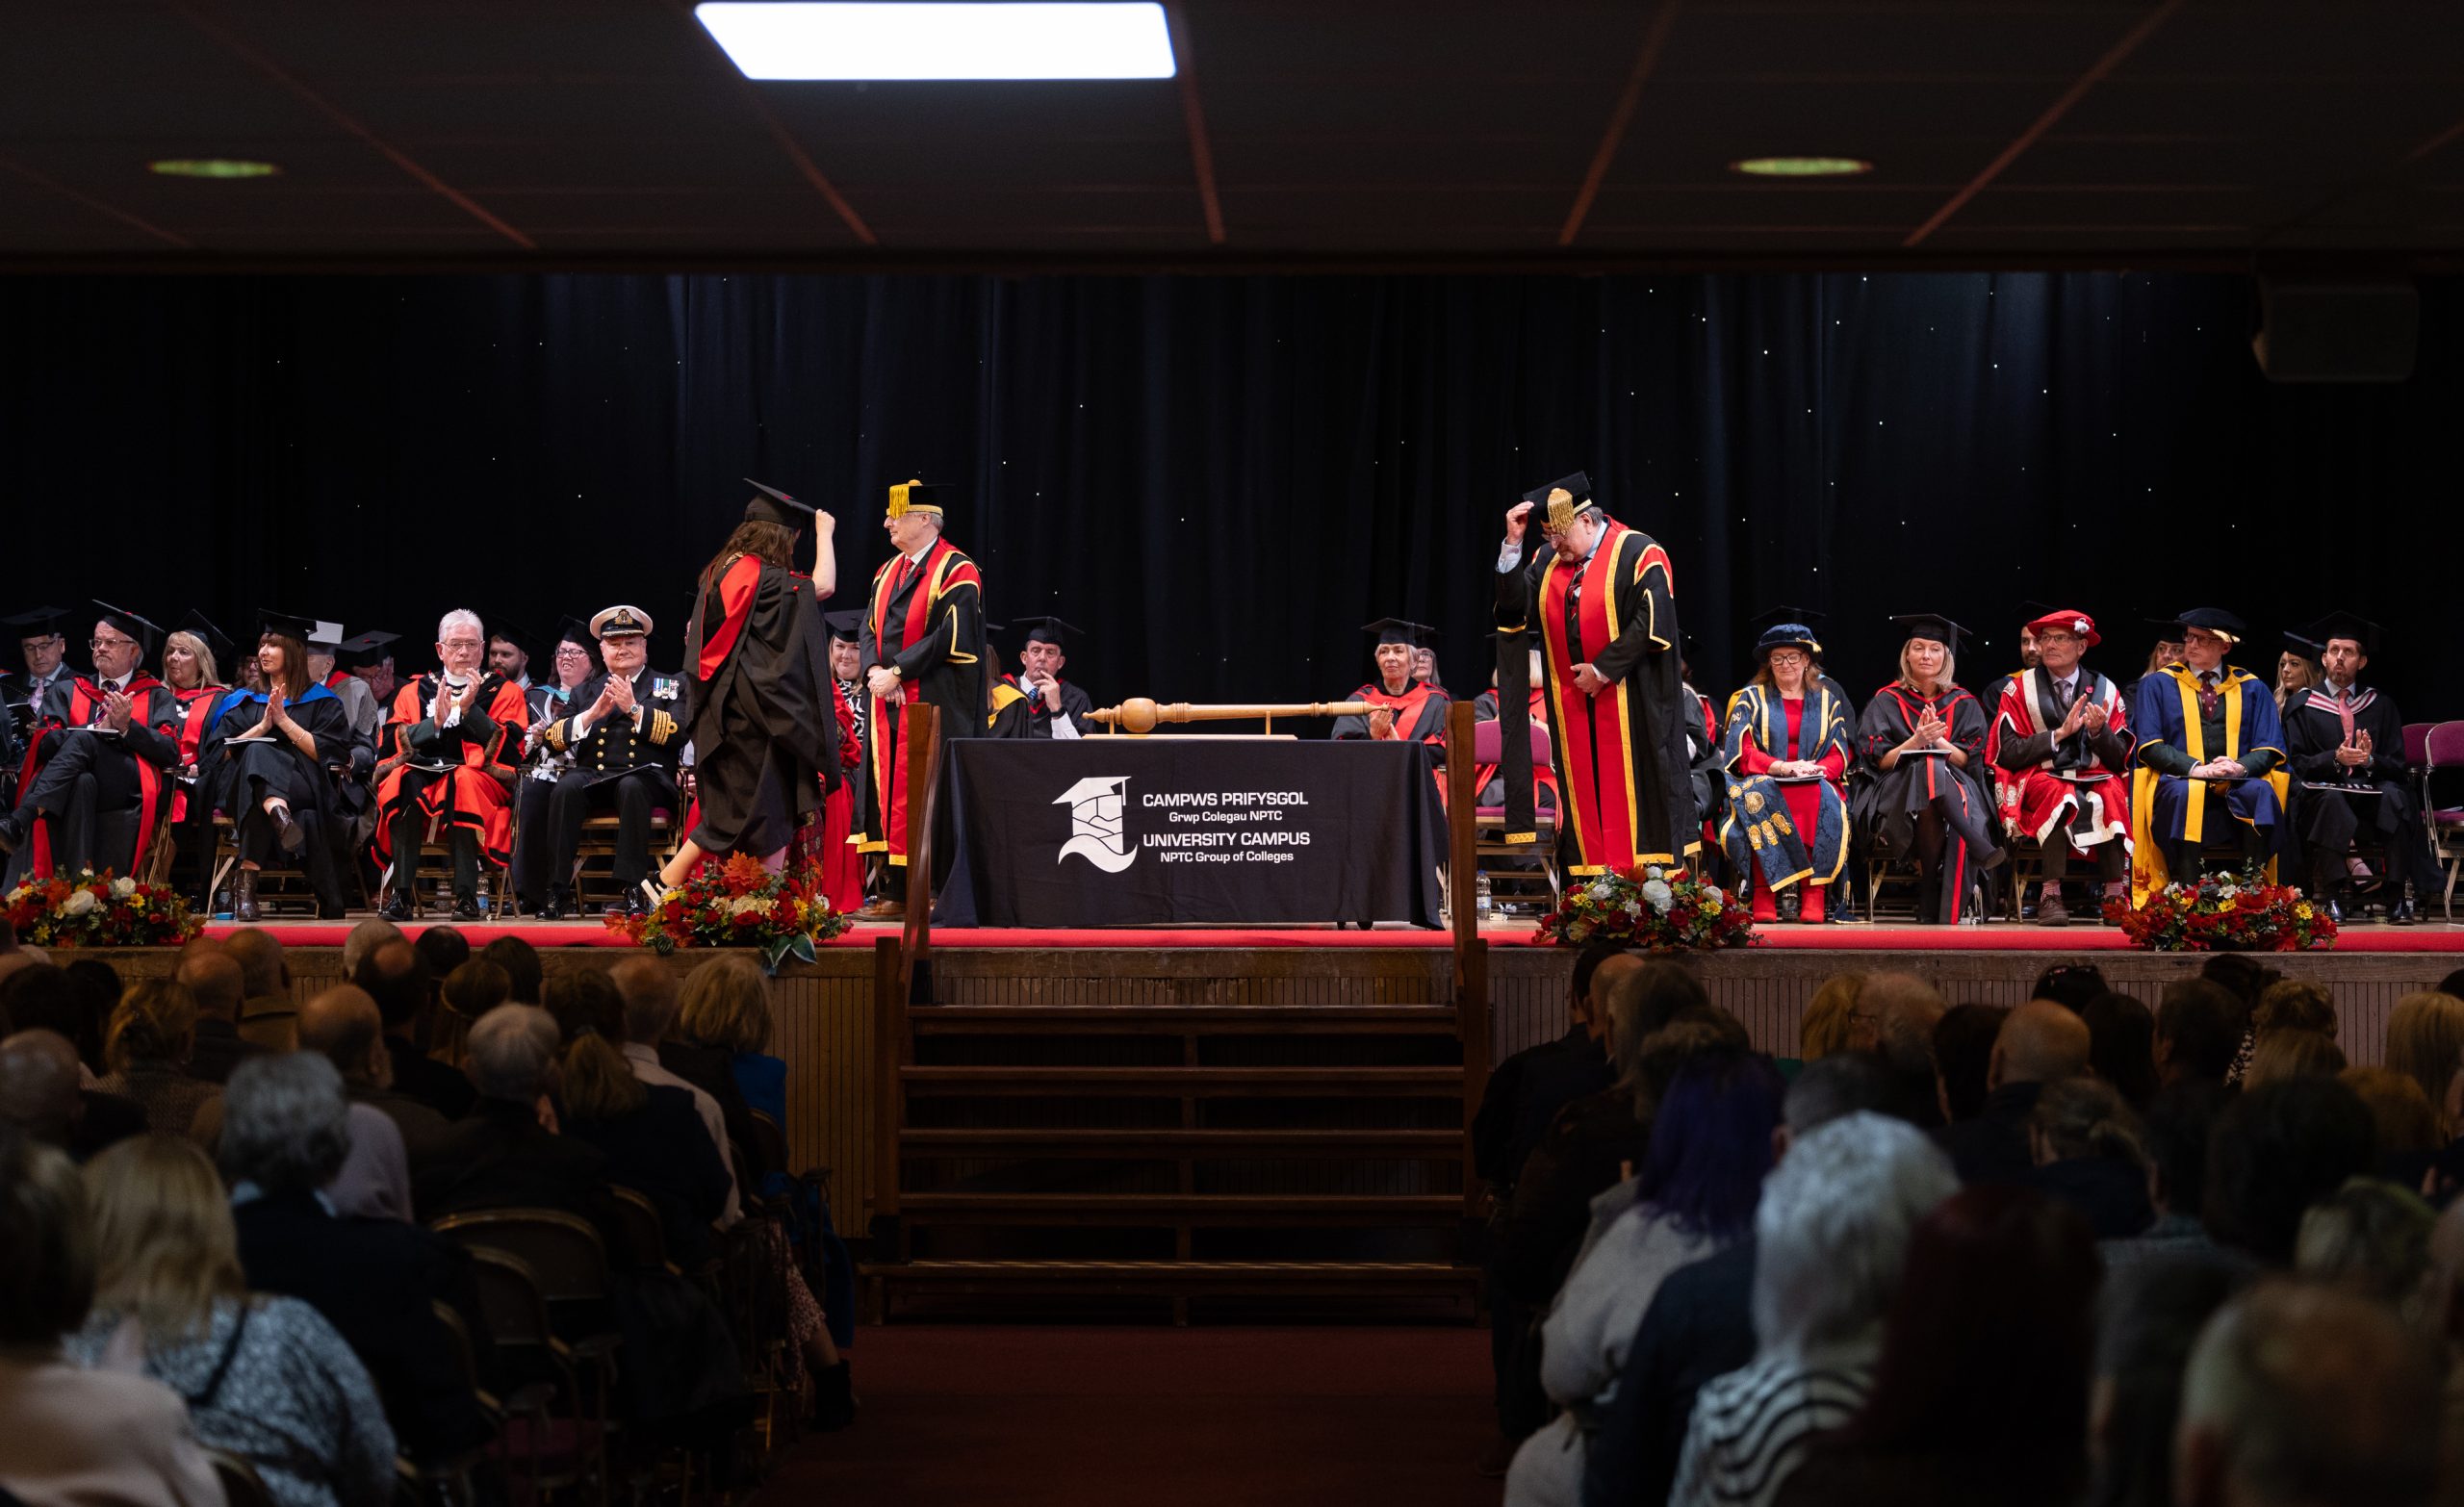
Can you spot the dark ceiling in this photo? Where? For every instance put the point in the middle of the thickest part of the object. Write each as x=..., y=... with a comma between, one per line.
x=558, y=133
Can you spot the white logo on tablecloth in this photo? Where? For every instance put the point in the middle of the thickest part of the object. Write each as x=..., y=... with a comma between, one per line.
x=1095, y=806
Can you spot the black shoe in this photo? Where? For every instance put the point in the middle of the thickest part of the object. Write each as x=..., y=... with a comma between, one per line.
x=286, y=831
x=243, y=897
x=834, y=1399
x=465, y=907
x=13, y=832
x=558, y=905
x=397, y=907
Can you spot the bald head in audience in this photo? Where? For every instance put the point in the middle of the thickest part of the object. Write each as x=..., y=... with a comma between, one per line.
x=218, y=983
x=1904, y=1009
x=39, y=1086
x=2040, y=1044
x=2301, y=1396
x=652, y=997
x=341, y=1025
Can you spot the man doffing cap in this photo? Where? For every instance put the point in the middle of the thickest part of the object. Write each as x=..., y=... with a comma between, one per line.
x=620, y=622
x=1559, y=501
x=771, y=505
x=2065, y=619
x=148, y=634
x=917, y=496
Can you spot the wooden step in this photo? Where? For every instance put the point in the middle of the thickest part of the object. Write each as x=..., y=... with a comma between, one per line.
x=1176, y=1276
x=1180, y=1209
x=1173, y=1082
x=1184, y=1019
x=1128, y=1144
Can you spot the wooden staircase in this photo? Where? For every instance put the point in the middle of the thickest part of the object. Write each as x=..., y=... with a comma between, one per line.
x=1134, y=1128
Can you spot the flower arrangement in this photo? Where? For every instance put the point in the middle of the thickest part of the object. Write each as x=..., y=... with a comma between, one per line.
x=1661, y=909
x=90, y=910
x=2225, y=912
x=739, y=904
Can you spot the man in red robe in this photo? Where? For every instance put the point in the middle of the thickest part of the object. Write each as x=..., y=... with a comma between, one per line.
x=923, y=641
x=2060, y=745
x=449, y=749
x=97, y=780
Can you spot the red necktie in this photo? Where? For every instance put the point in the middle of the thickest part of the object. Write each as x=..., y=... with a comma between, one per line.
x=2208, y=698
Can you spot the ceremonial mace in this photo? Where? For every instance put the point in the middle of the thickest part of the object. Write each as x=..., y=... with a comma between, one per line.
x=1139, y=715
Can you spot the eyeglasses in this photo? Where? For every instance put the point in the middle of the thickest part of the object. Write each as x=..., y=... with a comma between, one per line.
x=110, y=643
x=570, y=651
x=461, y=643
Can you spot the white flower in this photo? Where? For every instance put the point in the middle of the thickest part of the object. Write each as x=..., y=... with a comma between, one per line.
x=1633, y=907
x=1602, y=889
x=744, y=903
x=1653, y=872
x=78, y=903
x=1657, y=891
x=1712, y=891
x=122, y=888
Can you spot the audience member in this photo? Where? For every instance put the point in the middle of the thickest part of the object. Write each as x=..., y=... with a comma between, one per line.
x=1832, y=1021
x=2277, y=1150
x=474, y=989
x=2408, y=1136
x=444, y=949
x=2121, y=1046
x=1906, y=1011
x=2181, y=1124
x=2070, y=985
x=1832, y=1236
x=342, y=1026
x=726, y=1005
x=2442, y=1324
x=396, y=977
x=652, y=1004
x=40, y=1094
x=71, y=1436
x=2152, y=1316
x=2424, y=1042
x=1964, y=1058
x=519, y=961
x=266, y=1378
x=1526, y=1092
x=268, y=1013
x=2293, y=1054
x=2372, y=1239
x=284, y=1132
x=2000, y=1282
x=364, y=940
x=1701, y=1323
x=2294, y=1005
x=500, y=1155
x=2196, y=1034
x=39, y=997
x=653, y=1136
x=2040, y=1042
x=2452, y=986
x=2089, y=1154
x=98, y=989
x=218, y=988
x=2298, y=1394
x=147, y=1051
x=2243, y=979
x=1695, y=1192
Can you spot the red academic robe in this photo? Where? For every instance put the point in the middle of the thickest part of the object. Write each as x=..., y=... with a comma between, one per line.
x=196, y=709
x=927, y=620
x=2034, y=799
x=842, y=864
x=478, y=793
x=158, y=711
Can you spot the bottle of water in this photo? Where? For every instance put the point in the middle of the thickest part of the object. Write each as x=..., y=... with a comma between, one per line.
x=444, y=895
x=483, y=892
x=1483, y=904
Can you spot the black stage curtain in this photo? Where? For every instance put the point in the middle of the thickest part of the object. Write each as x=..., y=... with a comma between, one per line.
x=1221, y=478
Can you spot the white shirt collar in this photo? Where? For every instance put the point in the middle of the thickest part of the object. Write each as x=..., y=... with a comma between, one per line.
x=2339, y=692
x=918, y=558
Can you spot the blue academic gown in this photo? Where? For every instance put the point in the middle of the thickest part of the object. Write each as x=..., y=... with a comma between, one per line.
x=2172, y=740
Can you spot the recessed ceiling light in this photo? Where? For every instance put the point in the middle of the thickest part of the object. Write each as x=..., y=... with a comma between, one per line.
x=211, y=167
x=1802, y=166
x=786, y=39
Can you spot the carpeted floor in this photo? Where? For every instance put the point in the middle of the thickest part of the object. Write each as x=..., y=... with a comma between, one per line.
x=1192, y=1417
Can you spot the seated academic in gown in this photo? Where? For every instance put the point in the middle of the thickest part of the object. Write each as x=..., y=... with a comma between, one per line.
x=1602, y=600
x=193, y=657
x=571, y=661
x=757, y=687
x=269, y=761
x=2346, y=744
x=1923, y=739
x=2060, y=746
x=99, y=777
x=1404, y=709
x=625, y=734
x=1053, y=704
x=1787, y=757
x=450, y=751
x=2211, y=758
x=842, y=825
x=1005, y=705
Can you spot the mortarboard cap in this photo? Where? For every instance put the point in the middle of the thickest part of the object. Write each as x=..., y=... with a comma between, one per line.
x=573, y=630
x=2313, y=650
x=1558, y=501
x=500, y=626
x=289, y=625
x=918, y=496
x=2214, y=620
x=1396, y=630
x=41, y=623
x=364, y=649
x=1046, y=630
x=324, y=636
x=147, y=633
x=849, y=624
x=1931, y=625
x=620, y=622
x=2067, y=619
x=2345, y=624
x=217, y=642
x=774, y=506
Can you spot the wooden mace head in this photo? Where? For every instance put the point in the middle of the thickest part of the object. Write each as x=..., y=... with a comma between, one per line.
x=1138, y=715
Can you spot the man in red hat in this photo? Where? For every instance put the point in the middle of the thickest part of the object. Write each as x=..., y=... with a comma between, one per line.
x=2059, y=744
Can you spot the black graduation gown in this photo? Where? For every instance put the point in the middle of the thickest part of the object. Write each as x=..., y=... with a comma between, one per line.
x=1008, y=715
x=2323, y=821
x=759, y=713
x=1888, y=804
x=242, y=775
